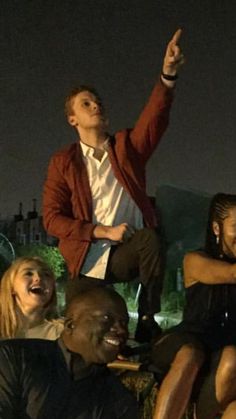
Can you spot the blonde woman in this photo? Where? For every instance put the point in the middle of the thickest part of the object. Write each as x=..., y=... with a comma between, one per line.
x=28, y=300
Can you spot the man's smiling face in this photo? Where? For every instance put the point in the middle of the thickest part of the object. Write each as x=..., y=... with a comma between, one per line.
x=97, y=327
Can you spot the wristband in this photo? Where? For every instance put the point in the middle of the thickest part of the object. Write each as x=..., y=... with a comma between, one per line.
x=169, y=77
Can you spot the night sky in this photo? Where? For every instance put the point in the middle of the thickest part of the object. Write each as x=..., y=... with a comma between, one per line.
x=49, y=46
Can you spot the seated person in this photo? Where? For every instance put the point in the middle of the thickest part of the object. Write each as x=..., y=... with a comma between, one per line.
x=68, y=378
x=208, y=329
x=27, y=300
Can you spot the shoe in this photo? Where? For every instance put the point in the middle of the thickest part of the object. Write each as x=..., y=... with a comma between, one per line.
x=147, y=329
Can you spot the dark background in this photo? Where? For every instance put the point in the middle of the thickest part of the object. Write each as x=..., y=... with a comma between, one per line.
x=49, y=46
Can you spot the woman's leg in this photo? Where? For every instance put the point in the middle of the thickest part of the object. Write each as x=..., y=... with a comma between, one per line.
x=226, y=377
x=219, y=387
x=230, y=412
x=176, y=388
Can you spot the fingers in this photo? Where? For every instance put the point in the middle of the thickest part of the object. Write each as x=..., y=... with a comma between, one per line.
x=131, y=229
x=174, y=57
x=176, y=37
x=173, y=47
x=128, y=233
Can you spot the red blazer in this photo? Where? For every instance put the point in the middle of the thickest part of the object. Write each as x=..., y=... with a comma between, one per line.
x=67, y=201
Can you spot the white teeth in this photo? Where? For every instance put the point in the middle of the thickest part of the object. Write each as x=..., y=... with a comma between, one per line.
x=111, y=341
x=37, y=289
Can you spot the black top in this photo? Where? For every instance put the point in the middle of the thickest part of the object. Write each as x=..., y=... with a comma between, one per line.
x=36, y=383
x=210, y=311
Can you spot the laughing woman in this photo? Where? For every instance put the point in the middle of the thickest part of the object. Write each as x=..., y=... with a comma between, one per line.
x=28, y=300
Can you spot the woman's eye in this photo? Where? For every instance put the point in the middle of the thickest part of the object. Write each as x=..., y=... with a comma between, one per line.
x=29, y=273
x=46, y=274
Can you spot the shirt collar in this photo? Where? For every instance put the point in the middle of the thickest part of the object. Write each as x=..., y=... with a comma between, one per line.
x=88, y=151
x=76, y=365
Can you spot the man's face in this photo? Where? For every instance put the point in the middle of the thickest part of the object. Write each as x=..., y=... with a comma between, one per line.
x=99, y=329
x=88, y=112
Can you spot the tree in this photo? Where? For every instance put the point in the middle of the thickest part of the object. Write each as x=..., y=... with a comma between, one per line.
x=50, y=254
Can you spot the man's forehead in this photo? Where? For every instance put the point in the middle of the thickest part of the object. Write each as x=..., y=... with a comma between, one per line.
x=85, y=95
x=99, y=304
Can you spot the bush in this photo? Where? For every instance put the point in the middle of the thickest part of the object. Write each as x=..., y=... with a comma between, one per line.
x=50, y=254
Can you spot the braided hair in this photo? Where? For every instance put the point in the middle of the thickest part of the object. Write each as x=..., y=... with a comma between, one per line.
x=220, y=205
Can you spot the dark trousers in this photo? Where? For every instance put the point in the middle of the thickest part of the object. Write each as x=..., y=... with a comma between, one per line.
x=141, y=257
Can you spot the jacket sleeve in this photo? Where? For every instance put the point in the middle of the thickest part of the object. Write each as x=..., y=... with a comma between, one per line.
x=10, y=393
x=57, y=208
x=152, y=122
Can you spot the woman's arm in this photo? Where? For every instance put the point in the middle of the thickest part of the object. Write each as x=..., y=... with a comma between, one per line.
x=200, y=267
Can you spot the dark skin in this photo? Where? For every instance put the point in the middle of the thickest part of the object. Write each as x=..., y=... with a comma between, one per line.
x=96, y=326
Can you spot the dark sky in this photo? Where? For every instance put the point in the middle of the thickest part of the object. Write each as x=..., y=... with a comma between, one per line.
x=49, y=46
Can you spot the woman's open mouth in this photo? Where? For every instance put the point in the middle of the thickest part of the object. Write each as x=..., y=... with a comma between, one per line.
x=38, y=290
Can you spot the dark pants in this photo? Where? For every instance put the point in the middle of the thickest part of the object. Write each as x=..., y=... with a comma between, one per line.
x=141, y=257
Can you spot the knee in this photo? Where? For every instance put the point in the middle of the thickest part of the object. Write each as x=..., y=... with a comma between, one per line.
x=151, y=238
x=226, y=375
x=189, y=356
x=230, y=412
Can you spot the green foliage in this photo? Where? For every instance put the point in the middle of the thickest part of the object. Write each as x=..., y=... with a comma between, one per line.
x=50, y=254
x=173, y=302
x=128, y=291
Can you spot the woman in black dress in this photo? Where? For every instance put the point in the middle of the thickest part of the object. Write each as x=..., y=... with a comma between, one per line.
x=205, y=340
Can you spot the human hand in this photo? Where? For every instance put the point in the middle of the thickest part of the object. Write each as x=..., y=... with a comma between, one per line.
x=174, y=57
x=121, y=233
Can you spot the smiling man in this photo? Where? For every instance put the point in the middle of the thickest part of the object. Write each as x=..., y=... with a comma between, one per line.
x=68, y=378
x=96, y=325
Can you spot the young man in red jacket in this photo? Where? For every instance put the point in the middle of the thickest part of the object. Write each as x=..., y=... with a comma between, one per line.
x=95, y=199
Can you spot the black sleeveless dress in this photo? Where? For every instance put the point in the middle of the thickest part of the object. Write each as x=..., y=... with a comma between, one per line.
x=210, y=314
x=209, y=323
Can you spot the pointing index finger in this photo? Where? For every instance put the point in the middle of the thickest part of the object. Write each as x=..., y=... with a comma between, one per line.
x=176, y=37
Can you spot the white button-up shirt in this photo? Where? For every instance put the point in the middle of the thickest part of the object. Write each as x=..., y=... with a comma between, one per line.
x=111, y=206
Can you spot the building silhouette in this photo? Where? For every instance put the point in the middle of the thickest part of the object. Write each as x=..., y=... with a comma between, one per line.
x=23, y=230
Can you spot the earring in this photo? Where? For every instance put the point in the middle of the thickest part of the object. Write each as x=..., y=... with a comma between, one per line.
x=217, y=239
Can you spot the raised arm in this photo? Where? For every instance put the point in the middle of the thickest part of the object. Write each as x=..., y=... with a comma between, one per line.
x=199, y=267
x=154, y=118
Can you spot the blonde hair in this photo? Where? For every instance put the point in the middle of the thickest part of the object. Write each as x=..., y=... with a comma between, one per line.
x=9, y=318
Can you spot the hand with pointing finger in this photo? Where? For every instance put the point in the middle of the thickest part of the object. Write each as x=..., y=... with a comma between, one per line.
x=173, y=59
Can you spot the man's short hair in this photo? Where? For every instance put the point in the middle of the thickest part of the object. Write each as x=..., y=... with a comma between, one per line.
x=74, y=92
x=88, y=291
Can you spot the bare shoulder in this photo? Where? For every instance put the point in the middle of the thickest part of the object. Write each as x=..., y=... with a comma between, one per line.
x=202, y=267
x=200, y=252
x=194, y=262
x=194, y=255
